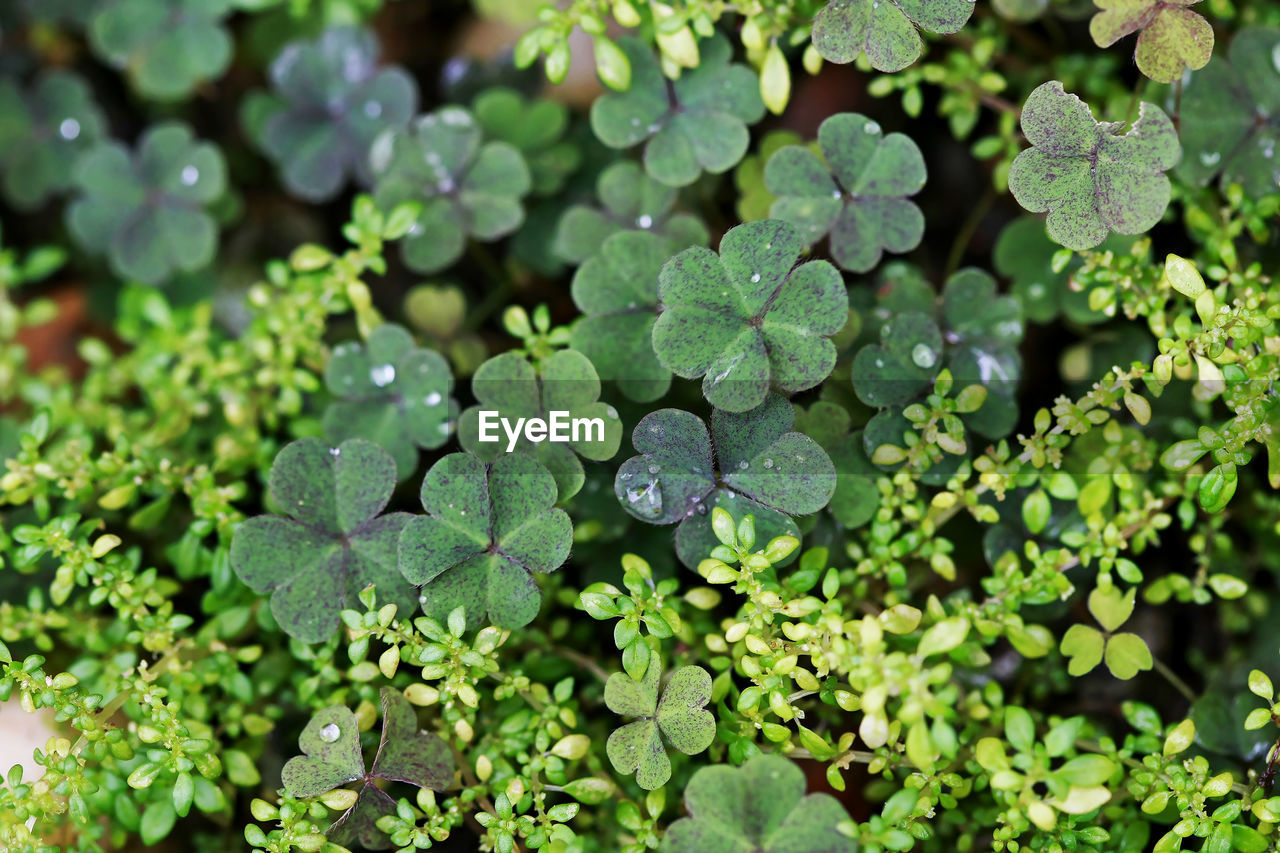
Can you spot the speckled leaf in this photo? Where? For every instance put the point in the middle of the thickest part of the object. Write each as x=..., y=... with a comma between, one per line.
x=392, y=393
x=166, y=47
x=900, y=367
x=486, y=529
x=631, y=200
x=332, y=100
x=863, y=205
x=1231, y=116
x=617, y=292
x=680, y=715
x=406, y=754
x=1173, y=38
x=42, y=133
x=884, y=29
x=146, y=211
x=674, y=472
x=464, y=187
x=695, y=125
x=316, y=562
x=761, y=457
x=760, y=807
x=747, y=320
x=1086, y=177
x=331, y=754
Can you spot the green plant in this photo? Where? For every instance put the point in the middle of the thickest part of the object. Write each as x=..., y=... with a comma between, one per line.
x=971, y=547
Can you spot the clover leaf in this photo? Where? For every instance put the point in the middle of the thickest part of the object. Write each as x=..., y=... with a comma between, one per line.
x=695, y=124
x=534, y=127
x=1088, y=178
x=858, y=195
x=167, y=47
x=631, y=200
x=1126, y=654
x=464, y=187
x=760, y=807
x=749, y=319
x=392, y=393
x=42, y=132
x=487, y=528
x=331, y=758
x=754, y=198
x=678, y=718
x=856, y=497
x=885, y=30
x=333, y=544
x=760, y=467
x=566, y=381
x=1231, y=116
x=1173, y=38
x=146, y=210
x=617, y=293
x=1024, y=253
x=331, y=100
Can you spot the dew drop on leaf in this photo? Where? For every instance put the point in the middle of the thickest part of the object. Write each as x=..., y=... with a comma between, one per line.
x=330, y=733
x=645, y=221
x=1210, y=158
x=755, y=278
x=924, y=356
x=744, y=465
x=190, y=174
x=768, y=463
x=382, y=375
x=69, y=129
x=372, y=109
x=432, y=399
x=653, y=469
x=647, y=500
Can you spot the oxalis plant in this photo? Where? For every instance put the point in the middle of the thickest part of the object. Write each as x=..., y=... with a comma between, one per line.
x=605, y=427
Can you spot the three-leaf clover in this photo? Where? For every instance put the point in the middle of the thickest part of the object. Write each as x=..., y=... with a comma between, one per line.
x=617, y=293
x=1088, y=178
x=510, y=386
x=464, y=187
x=146, y=210
x=885, y=30
x=535, y=127
x=1024, y=254
x=760, y=807
x=859, y=195
x=42, y=132
x=1231, y=116
x=760, y=467
x=167, y=47
x=750, y=319
x=333, y=544
x=631, y=200
x=331, y=100
x=392, y=393
x=1126, y=654
x=332, y=757
x=678, y=718
x=695, y=124
x=1173, y=38
x=856, y=497
x=487, y=528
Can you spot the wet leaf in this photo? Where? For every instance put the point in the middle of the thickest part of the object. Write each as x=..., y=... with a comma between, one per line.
x=42, y=132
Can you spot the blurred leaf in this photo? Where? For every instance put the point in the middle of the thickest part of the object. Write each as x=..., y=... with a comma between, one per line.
x=42, y=133
x=166, y=47
x=535, y=127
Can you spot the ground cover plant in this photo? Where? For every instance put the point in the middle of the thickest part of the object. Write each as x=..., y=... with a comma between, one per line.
x=789, y=426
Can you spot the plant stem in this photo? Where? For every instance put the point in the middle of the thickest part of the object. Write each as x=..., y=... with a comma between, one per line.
x=1172, y=677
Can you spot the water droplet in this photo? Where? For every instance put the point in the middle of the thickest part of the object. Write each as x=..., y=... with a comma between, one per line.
x=333, y=451
x=330, y=733
x=755, y=278
x=190, y=174
x=924, y=356
x=768, y=463
x=1035, y=290
x=1210, y=158
x=626, y=475
x=871, y=126
x=635, y=122
x=648, y=500
x=645, y=221
x=879, y=362
x=432, y=399
x=1275, y=57
x=702, y=509
x=744, y=464
x=69, y=129
x=382, y=375
x=444, y=428
x=445, y=185
x=835, y=193
x=653, y=469
x=611, y=412
x=372, y=109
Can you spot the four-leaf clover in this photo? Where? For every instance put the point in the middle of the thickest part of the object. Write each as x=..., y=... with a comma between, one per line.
x=42, y=132
x=331, y=101
x=1088, y=178
x=750, y=319
x=678, y=718
x=1231, y=116
x=167, y=47
x=146, y=211
x=760, y=467
x=392, y=393
x=331, y=757
x=464, y=187
x=333, y=544
x=1173, y=38
x=1126, y=654
x=885, y=30
x=695, y=124
x=487, y=528
x=859, y=195
x=760, y=807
